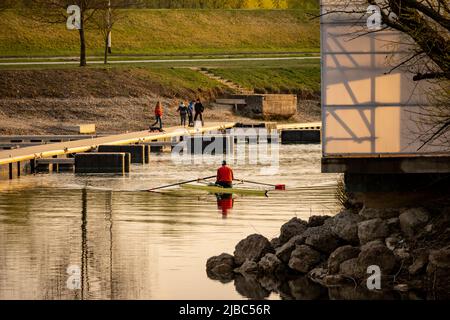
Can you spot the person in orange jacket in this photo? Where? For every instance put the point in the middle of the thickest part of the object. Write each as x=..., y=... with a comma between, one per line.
x=225, y=176
x=158, y=115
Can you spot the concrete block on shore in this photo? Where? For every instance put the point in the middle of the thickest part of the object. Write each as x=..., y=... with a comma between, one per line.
x=102, y=162
x=80, y=128
x=136, y=151
x=300, y=136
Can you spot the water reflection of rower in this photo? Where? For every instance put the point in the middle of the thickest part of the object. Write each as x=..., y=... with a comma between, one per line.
x=225, y=203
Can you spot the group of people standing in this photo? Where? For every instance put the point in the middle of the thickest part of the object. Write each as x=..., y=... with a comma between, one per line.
x=190, y=111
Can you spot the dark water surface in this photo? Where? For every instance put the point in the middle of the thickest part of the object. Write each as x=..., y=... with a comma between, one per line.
x=129, y=244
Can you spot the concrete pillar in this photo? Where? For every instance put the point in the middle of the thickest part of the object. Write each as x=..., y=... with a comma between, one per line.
x=300, y=136
x=102, y=162
x=137, y=151
x=147, y=151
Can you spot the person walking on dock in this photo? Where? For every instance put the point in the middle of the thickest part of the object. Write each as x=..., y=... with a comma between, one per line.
x=225, y=176
x=191, y=113
x=183, y=110
x=199, y=111
x=158, y=115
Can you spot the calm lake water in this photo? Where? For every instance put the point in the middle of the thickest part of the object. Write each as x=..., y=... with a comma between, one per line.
x=130, y=244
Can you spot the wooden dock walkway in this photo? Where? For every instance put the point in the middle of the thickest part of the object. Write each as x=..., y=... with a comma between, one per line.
x=67, y=147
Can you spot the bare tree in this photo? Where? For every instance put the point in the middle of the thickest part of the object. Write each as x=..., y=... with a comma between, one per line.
x=55, y=11
x=427, y=23
x=108, y=15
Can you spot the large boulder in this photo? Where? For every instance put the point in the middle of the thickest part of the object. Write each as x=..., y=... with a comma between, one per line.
x=322, y=239
x=248, y=267
x=344, y=225
x=220, y=267
x=349, y=268
x=254, y=247
x=419, y=264
x=340, y=255
x=413, y=220
x=270, y=264
x=316, y=221
x=378, y=255
x=293, y=227
x=304, y=258
x=439, y=266
x=372, y=229
x=275, y=242
x=382, y=213
x=284, y=252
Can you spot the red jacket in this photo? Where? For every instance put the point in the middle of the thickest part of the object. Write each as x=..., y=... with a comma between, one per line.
x=225, y=174
x=158, y=111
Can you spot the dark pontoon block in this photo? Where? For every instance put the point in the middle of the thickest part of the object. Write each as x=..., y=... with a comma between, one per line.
x=300, y=136
x=220, y=144
x=102, y=162
x=137, y=151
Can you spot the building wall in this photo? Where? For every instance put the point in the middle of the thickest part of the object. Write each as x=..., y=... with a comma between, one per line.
x=366, y=107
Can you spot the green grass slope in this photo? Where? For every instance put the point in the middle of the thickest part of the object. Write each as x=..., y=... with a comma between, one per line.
x=303, y=80
x=148, y=31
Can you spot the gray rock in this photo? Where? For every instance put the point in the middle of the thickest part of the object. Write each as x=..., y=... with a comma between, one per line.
x=440, y=258
x=378, y=255
x=223, y=258
x=275, y=243
x=373, y=229
x=370, y=244
x=438, y=270
x=393, y=242
x=304, y=258
x=284, y=252
x=332, y=280
x=220, y=267
x=293, y=227
x=248, y=267
x=316, y=221
x=419, y=264
x=254, y=247
x=401, y=253
x=322, y=239
x=344, y=225
x=317, y=275
x=393, y=225
x=413, y=220
x=382, y=213
x=269, y=264
x=349, y=268
x=340, y=255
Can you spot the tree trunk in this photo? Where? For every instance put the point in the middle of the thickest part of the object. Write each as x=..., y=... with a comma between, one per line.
x=82, y=45
x=106, y=49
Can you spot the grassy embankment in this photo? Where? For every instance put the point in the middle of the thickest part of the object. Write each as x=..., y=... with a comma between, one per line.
x=147, y=32
x=120, y=97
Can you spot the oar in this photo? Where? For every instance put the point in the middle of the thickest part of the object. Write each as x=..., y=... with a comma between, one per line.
x=180, y=183
x=276, y=186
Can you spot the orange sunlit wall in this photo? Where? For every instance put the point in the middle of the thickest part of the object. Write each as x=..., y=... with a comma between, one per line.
x=366, y=108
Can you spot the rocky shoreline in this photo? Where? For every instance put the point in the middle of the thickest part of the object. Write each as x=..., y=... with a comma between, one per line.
x=329, y=257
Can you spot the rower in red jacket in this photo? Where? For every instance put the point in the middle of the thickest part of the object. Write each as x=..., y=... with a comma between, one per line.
x=225, y=176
